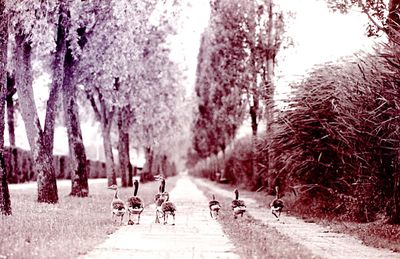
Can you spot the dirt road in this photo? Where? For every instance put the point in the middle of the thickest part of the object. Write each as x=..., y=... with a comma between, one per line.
x=195, y=234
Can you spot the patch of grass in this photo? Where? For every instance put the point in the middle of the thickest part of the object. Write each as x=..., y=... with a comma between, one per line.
x=377, y=234
x=67, y=229
x=253, y=239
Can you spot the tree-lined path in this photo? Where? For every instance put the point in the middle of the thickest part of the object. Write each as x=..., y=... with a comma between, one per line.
x=195, y=234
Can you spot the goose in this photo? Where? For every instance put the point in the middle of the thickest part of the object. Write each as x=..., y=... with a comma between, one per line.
x=164, y=194
x=135, y=204
x=164, y=207
x=238, y=206
x=159, y=199
x=276, y=204
x=168, y=208
x=117, y=205
x=214, y=207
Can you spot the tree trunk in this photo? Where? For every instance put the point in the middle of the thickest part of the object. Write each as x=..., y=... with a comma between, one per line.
x=5, y=202
x=268, y=74
x=222, y=177
x=57, y=77
x=10, y=108
x=110, y=166
x=123, y=145
x=78, y=165
x=78, y=162
x=11, y=90
x=164, y=161
x=147, y=170
x=42, y=156
x=254, y=128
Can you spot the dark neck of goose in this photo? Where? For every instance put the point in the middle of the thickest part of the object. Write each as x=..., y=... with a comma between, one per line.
x=237, y=194
x=162, y=185
x=136, y=184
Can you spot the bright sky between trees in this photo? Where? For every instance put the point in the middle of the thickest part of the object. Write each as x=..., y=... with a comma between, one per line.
x=318, y=34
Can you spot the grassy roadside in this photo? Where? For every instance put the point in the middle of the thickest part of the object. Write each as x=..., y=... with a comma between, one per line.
x=253, y=239
x=375, y=234
x=67, y=229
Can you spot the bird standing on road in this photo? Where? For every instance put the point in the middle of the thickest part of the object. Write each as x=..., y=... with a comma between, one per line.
x=135, y=204
x=159, y=198
x=168, y=208
x=277, y=204
x=164, y=207
x=214, y=207
x=117, y=205
x=238, y=206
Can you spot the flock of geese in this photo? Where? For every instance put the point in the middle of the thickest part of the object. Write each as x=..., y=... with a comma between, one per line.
x=164, y=207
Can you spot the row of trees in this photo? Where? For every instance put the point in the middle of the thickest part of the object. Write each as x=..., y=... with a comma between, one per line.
x=111, y=53
x=235, y=69
x=338, y=137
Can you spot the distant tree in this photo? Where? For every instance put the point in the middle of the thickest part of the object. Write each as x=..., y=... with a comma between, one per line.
x=5, y=203
x=204, y=134
x=240, y=47
x=265, y=42
x=227, y=70
x=134, y=60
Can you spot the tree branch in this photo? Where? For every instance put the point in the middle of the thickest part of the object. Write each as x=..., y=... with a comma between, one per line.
x=94, y=105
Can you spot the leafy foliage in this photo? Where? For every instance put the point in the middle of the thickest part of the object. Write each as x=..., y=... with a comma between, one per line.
x=221, y=77
x=339, y=139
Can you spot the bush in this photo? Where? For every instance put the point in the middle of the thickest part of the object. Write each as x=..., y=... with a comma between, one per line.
x=19, y=166
x=337, y=141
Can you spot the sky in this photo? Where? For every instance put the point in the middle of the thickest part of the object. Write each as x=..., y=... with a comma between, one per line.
x=318, y=34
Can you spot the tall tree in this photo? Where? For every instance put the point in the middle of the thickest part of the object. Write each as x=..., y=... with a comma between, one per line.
x=104, y=114
x=133, y=72
x=81, y=21
x=5, y=203
x=42, y=155
x=31, y=33
x=204, y=134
